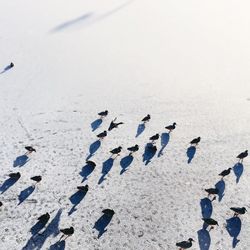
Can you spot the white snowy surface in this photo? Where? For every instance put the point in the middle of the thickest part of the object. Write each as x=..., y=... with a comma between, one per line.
x=180, y=61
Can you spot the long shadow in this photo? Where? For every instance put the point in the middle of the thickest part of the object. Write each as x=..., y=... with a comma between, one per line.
x=125, y=163
x=86, y=171
x=102, y=223
x=238, y=169
x=164, y=142
x=204, y=239
x=20, y=161
x=233, y=228
x=96, y=124
x=7, y=184
x=106, y=167
x=60, y=245
x=149, y=153
x=37, y=228
x=6, y=69
x=191, y=153
x=206, y=207
x=25, y=194
x=221, y=187
x=37, y=241
x=75, y=199
x=141, y=127
x=93, y=148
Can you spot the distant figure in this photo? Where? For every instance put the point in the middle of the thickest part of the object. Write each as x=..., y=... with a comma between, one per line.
x=67, y=232
x=210, y=222
x=238, y=210
x=103, y=113
x=212, y=191
x=43, y=219
x=171, y=127
x=116, y=151
x=37, y=178
x=195, y=141
x=185, y=244
x=15, y=176
x=146, y=119
x=133, y=149
x=84, y=189
x=30, y=149
x=154, y=138
x=114, y=125
x=1, y=203
x=91, y=164
x=102, y=135
x=225, y=172
x=242, y=155
x=108, y=212
x=11, y=65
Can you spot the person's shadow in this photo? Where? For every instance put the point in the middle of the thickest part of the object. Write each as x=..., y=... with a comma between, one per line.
x=6, y=69
x=93, y=148
x=24, y=194
x=206, y=207
x=106, y=167
x=37, y=241
x=220, y=185
x=191, y=153
x=164, y=142
x=7, y=184
x=86, y=171
x=141, y=127
x=75, y=199
x=59, y=245
x=102, y=223
x=96, y=124
x=20, y=161
x=204, y=239
x=37, y=227
x=125, y=163
x=149, y=153
x=238, y=169
x=233, y=228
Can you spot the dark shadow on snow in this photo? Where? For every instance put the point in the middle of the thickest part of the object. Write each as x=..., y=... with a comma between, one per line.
x=140, y=129
x=86, y=171
x=75, y=199
x=60, y=245
x=191, y=153
x=102, y=223
x=7, y=184
x=6, y=69
x=233, y=228
x=220, y=185
x=125, y=163
x=204, y=239
x=164, y=142
x=106, y=167
x=37, y=228
x=96, y=124
x=25, y=194
x=93, y=148
x=37, y=241
x=20, y=161
x=149, y=153
x=206, y=207
x=238, y=169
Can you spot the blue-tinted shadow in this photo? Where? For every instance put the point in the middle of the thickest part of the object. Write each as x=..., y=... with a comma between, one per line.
x=106, y=167
x=37, y=228
x=102, y=223
x=7, y=184
x=164, y=142
x=233, y=228
x=75, y=199
x=25, y=194
x=238, y=169
x=220, y=185
x=206, y=207
x=191, y=153
x=149, y=153
x=125, y=163
x=37, y=241
x=204, y=239
x=93, y=148
x=140, y=129
x=96, y=124
x=86, y=171
x=60, y=245
x=6, y=69
x=20, y=161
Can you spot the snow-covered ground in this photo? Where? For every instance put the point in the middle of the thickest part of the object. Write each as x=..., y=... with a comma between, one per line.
x=180, y=61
